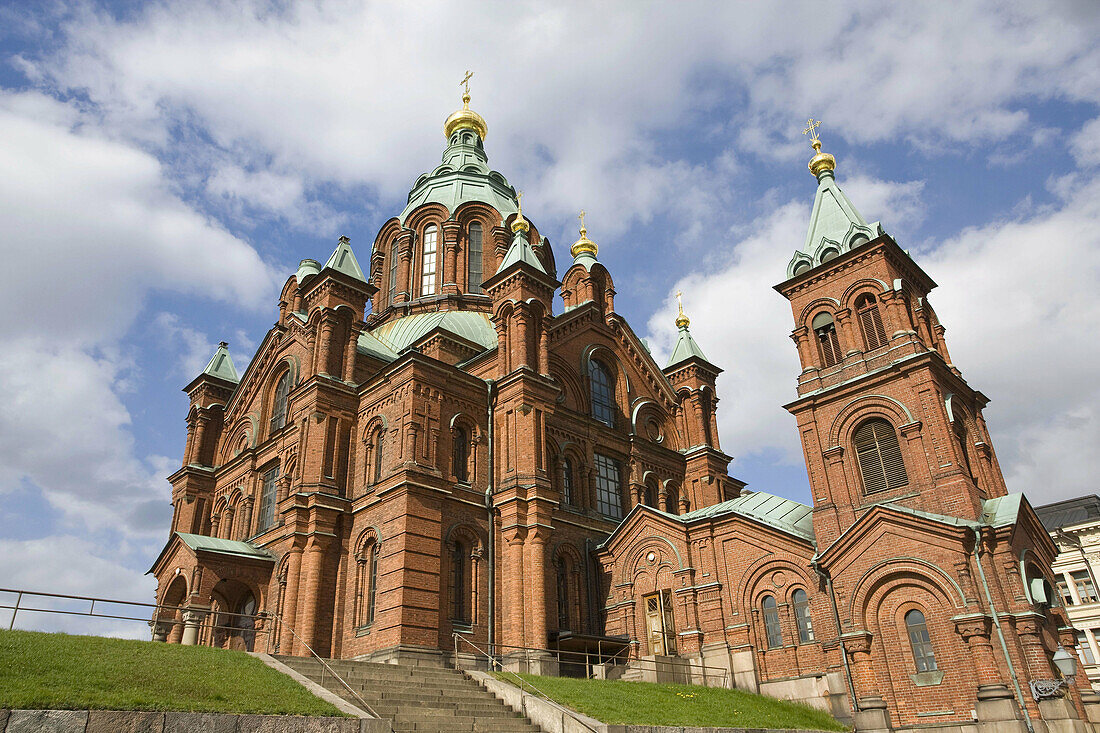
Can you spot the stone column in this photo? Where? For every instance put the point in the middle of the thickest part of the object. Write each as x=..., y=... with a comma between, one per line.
x=512, y=573
x=201, y=419
x=404, y=266
x=872, y=715
x=801, y=338
x=192, y=619
x=246, y=519
x=290, y=602
x=354, y=329
x=325, y=342
x=846, y=332
x=313, y=565
x=451, y=230
x=521, y=317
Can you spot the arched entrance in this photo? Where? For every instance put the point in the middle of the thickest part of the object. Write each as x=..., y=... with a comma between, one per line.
x=233, y=607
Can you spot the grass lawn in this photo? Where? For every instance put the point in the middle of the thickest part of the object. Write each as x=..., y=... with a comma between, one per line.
x=59, y=671
x=646, y=703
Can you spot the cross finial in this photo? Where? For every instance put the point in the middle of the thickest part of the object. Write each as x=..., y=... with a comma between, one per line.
x=680, y=301
x=519, y=204
x=811, y=130
x=581, y=217
x=466, y=82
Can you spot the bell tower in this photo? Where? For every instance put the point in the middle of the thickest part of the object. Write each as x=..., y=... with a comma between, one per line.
x=883, y=414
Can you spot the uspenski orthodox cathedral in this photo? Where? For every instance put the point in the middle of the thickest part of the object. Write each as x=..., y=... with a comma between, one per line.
x=468, y=464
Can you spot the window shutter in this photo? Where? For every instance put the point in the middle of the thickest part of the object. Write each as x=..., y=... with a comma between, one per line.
x=879, y=456
x=870, y=322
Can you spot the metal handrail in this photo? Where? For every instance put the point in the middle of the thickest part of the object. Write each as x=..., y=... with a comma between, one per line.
x=522, y=682
x=586, y=657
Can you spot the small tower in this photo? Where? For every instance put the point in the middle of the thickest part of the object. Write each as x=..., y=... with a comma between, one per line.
x=883, y=415
x=587, y=281
x=693, y=378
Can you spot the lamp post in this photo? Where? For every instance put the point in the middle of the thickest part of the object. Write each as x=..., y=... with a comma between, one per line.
x=1066, y=663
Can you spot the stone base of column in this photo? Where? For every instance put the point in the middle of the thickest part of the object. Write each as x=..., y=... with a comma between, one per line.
x=1060, y=716
x=539, y=663
x=1091, y=701
x=873, y=717
x=996, y=703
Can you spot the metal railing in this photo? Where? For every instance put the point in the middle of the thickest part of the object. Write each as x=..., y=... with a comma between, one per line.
x=688, y=671
x=522, y=683
x=208, y=630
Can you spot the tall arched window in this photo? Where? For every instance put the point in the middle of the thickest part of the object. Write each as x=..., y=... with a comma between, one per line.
x=608, y=487
x=603, y=397
x=958, y=427
x=562, y=578
x=651, y=496
x=427, y=267
x=459, y=583
x=244, y=623
x=379, y=438
x=772, y=628
x=567, y=481
x=474, y=259
x=827, y=343
x=801, y=603
x=870, y=322
x=278, y=403
x=372, y=587
x=920, y=641
x=879, y=456
x=460, y=455
x=267, y=498
x=393, y=272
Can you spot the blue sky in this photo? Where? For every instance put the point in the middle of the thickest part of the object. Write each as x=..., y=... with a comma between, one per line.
x=166, y=165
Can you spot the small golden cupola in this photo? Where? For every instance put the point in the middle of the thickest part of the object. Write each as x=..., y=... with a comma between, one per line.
x=466, y=118
x=821, y=163
x=584, y=245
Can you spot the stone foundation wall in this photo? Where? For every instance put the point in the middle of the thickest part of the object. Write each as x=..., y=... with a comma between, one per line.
x=114, y=721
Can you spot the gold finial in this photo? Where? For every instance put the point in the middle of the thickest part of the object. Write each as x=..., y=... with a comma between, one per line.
x=821, y=162
x=466, y=118
x=681, y=320
x=520, y=224
x=584, y=244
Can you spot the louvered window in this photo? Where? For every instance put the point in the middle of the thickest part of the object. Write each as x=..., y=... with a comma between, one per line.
x=827, y=342
x=879, y=456
x=870, y=322
x=771, y=622
x=474, y=259
x=920, y=641
x=801, y=603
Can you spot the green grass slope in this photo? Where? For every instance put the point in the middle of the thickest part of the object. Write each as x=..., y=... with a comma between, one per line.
x=59, y=671
x=646, y=703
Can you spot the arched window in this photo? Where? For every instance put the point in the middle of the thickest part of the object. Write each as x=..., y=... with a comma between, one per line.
x=459, y=581
x=603, y=398
x=608, y=487
x=427, y=268
x=474, y=259
x=801, y=603
x=278, y=404
x=920, y=641
x=244, y=623
x=879, y=456
x=562, y=578
x=827, y=343
x=460, y=455
x=958, y=427
x=379, y=437
x=567, y=481
x=829, y=254
x=393, y=272
x=651, y=496
x=771, y=622
x=870, y=322
x=372, y=584
x=267, y=498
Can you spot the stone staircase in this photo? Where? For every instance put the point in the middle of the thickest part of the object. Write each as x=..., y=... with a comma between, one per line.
x=422, y=699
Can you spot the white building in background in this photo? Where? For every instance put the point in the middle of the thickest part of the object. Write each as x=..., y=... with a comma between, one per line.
x=1074, y=525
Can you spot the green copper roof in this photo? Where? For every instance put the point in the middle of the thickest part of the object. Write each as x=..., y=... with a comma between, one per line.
x=1001, y=511
x=398, y=335
x=685, y=349
x=775, y=511
x=343, y=260
x=463, y=176
x=521, y=251
x=371, y=346
x=221, y=365
x=199, y=542
x=835, y=227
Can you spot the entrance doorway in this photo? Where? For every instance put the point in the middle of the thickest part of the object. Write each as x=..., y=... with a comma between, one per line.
x=660, y=624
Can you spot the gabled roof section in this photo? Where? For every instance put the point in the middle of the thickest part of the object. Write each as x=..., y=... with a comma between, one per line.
x=202, y=543
x=832, y=217
x=521, y=251
x=1002, y=510
x=221, y=365
x=343, y=260
x=391, y=338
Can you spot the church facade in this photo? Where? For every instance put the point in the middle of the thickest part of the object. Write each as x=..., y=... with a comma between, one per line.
x=463, y=458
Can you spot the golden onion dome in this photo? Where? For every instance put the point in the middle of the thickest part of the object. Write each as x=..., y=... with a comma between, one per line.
x=821, y=162
x=519, y=224
x=682, y=321
x=584, y=244
x=465, y=119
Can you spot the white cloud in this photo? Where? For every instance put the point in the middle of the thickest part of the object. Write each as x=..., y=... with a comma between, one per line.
x=1085, y=144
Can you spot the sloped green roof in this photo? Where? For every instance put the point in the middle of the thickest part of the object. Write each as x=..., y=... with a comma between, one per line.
x=835, y=225
x=199, y=542
x=685, y=349
x=371, y=346
x=343, y=260
x=785, y=515
x=1002, y=510
x=398, y=335
x=521, y=251
x=221, y=365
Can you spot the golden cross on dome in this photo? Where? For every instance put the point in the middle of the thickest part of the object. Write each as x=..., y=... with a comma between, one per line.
x=812, y=129
x=581, y=217
x=680, y=301
x=466, y=81
x=519, y=204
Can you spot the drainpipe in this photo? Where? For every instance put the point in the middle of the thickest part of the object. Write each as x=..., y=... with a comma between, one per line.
x=490, y=391
x=836, y=620
x=1000, y=631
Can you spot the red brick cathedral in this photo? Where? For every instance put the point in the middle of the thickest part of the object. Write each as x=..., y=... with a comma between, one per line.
x=472, y=458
